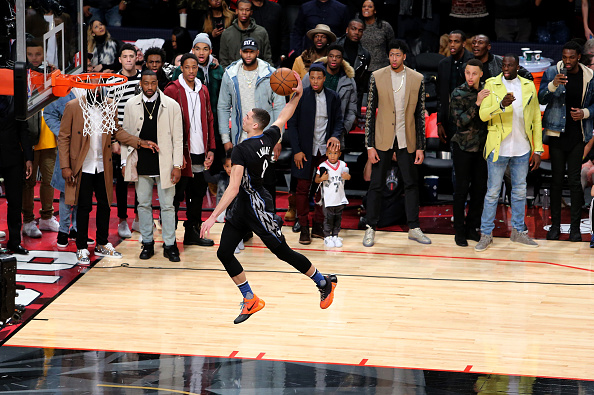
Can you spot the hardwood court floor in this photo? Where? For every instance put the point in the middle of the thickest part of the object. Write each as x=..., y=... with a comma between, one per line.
x=510, y=310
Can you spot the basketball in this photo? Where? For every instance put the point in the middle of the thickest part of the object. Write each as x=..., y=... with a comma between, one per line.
x=282, y=81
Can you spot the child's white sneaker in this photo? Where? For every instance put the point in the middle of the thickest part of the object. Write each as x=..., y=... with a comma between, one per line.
x=337, y=241
x=329, y=242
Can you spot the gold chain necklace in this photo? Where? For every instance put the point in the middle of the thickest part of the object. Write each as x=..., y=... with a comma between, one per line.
x=249, y=81
x=147, y=110
x=401, y=81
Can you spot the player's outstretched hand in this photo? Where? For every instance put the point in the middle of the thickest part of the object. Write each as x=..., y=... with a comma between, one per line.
x=206, y=225
x=299, y=89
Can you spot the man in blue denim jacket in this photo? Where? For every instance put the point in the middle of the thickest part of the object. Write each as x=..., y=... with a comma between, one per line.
x=568, y=91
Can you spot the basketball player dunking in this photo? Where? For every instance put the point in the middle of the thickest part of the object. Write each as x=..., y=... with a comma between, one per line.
x=252, y=208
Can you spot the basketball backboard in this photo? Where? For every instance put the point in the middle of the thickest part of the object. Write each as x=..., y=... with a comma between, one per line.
x=49, y=37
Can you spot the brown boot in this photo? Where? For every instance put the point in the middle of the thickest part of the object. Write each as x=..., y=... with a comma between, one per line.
x=304, y=236
x=291, y=213
x=317, y=230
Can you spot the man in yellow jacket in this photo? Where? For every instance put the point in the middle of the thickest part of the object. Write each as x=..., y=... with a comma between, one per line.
x=514, y=133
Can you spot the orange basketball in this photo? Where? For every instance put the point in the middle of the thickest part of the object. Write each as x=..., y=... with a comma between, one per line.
x=282, y=81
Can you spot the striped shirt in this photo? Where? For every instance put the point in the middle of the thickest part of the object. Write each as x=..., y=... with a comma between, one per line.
x=130, y=90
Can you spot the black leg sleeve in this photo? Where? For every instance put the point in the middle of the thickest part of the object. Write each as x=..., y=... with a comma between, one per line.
x=293, y=258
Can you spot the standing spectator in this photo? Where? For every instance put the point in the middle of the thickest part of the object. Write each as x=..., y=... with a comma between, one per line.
x=104, y=48
x=339, y=78
x=314, y=12
x=195, y=11
x=53, y=115
x=157, y=118
x=199, y=145
x=568, y=122
x=398, y=95
x=218, y=18
x=468, y=143
x=271, y=17
x=376, y=36
x=514, y=132
x=243, y=27
x=322, y=37
x=105, y=10
x=450, y=76
x=15, y=149
x=356, y=55
x=155, y=61
x=418, y=21
x=246, y=85
x=492, y=64
x=44, y=148
x=128, y=61
x=512, y=20
x=315, y=127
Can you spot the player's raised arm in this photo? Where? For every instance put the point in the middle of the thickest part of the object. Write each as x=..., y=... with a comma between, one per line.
x=230, y=193
x=289, y=109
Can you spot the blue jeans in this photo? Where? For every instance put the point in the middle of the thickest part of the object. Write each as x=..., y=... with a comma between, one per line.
x=144, y=191
x=518, y=166
x=110, y=16
x=65, y=211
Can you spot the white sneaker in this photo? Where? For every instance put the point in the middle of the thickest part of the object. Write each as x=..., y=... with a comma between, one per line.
x=51, y=224
x=82, y=257
x=108, y=251
x=237, y=250
x=124, y=230
x=240, y=245
x=329, y=242
x=2, y=234
x=31, y=230
x=337, y=241
x=136, y=225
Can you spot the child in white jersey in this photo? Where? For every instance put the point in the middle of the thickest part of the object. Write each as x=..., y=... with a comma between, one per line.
x=332, y=173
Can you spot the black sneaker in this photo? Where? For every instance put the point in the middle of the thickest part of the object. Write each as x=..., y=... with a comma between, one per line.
x=62, y=240
x=327, y=292
x=72, y=234
x=148, y=250
x=473, y=234
x=575, y=235
x=192, y=237
x=461, y=240
x=171, y=252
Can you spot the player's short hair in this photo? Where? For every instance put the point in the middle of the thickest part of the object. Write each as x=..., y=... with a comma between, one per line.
x=127, y=47
x=398, y=44
x=155, y=51
x=460, y=32
x=336, y=47
x=245, y=1
x=512, y=55
x=358, y=21
x=572, y=45
x=34, y=42
x=187, y=56
x=475, y=62
x=261, y=117
x=147, y=72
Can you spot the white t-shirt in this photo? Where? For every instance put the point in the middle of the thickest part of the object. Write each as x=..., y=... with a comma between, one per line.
x=516, y=143
x=333, y=187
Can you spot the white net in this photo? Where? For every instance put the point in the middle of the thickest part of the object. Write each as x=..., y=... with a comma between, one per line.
x=99, y=101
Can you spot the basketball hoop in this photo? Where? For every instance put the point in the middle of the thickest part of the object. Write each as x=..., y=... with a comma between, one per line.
x=98, y=95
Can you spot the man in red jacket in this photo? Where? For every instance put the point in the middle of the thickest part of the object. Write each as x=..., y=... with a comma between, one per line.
x=199, y=145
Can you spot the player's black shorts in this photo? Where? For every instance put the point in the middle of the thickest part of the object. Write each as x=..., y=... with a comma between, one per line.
x=255, y=212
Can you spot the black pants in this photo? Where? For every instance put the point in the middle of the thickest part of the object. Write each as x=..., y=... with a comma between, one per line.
x=333, y=220
x=406, y=162
x=193, y=189
x=90, y=183
x=121, y=189
x=232, y=235
x=572, y=158
x=471, y=177
x=13, y=183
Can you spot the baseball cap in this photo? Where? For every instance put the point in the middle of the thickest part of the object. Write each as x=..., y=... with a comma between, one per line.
x=249, y=43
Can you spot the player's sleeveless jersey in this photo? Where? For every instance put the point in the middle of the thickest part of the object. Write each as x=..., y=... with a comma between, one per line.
x=253, y=207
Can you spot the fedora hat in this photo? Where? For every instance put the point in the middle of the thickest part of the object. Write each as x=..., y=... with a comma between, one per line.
x=324, y=29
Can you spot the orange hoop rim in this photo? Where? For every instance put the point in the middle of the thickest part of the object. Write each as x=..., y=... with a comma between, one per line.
x=76, y=80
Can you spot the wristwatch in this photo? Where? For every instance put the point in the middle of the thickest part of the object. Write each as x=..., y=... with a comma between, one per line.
x=177, y=167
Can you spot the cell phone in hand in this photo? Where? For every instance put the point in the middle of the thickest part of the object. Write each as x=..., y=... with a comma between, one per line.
x=564, y=71
x=219, y=25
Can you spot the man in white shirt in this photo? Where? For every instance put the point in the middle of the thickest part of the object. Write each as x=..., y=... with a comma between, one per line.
x=514, y=133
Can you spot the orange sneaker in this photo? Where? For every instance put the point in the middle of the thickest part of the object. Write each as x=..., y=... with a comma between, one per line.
x=249, y=307
x=327, y=293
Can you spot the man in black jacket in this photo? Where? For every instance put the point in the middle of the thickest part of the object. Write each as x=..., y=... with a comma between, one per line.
x=356, y=55
x=14, y=149
x=449, y=76
x=481, y=47
x=270, y=16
